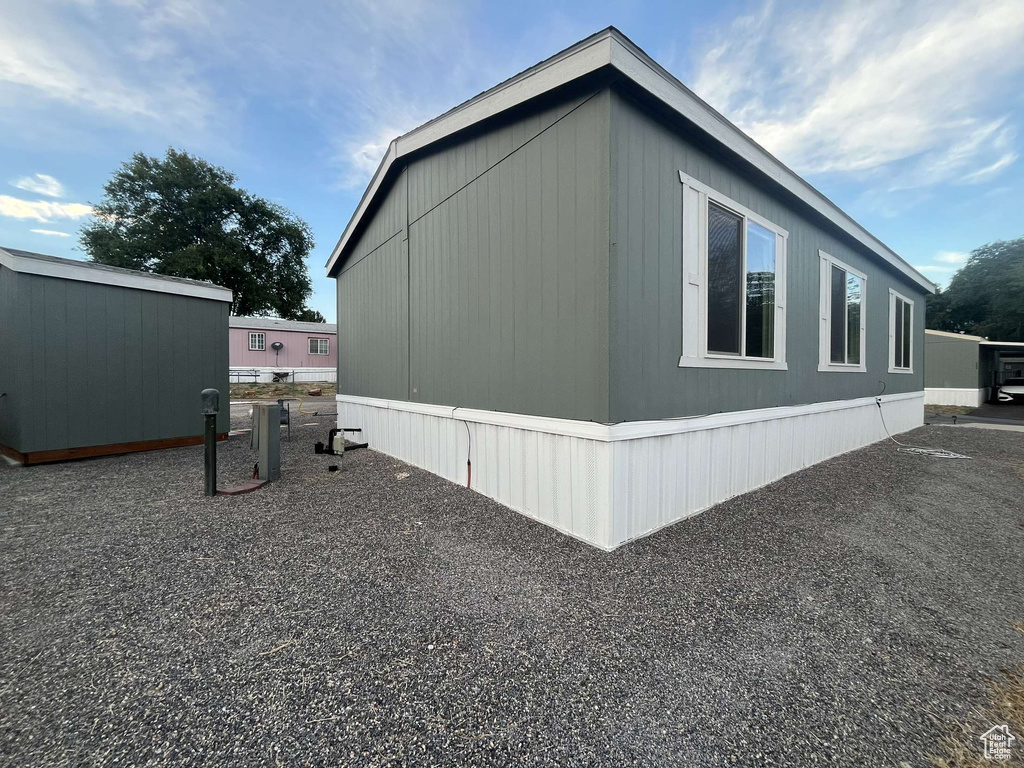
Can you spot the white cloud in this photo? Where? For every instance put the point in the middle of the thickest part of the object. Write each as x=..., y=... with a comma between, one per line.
x=106, y=61
x=364, y=156
x=913, y=91
x=50, y=232
x=951, y=257
x=40, y=184
x=41, y=210
x=933, y=268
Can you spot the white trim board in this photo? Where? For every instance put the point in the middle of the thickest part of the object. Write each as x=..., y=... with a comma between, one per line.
x=955, y=396
x=69, y=269
x=607, y=484
x=610, y=48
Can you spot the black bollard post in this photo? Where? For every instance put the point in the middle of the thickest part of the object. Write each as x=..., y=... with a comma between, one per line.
x=211, y=405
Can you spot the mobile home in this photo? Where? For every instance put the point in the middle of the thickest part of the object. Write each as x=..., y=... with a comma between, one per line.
x=272, y=349
x=615, y=304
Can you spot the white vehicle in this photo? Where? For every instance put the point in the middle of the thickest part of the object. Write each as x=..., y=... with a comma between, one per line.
x=1012, y=389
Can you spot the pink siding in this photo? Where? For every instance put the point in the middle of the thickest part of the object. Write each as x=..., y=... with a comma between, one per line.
x=295, y=353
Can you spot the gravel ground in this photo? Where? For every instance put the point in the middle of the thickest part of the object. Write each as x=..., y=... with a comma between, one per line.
x=848, y=615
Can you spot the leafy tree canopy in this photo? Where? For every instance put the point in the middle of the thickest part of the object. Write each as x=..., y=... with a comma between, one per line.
x=310, y=316
x=986, y=296
x=185, y=217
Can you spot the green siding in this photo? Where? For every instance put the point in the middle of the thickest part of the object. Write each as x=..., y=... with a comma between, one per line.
x=953, y=363
x=535, y=267
x=102, y=364
x=11, y=348
x=373, y=324
x=506, y=264
x=646, y=280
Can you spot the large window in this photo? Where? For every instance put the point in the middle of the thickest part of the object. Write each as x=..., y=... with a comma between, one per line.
x=734, y=283
x=843, y=322
x=319, y=346
x=901, y=333
x=258, y=341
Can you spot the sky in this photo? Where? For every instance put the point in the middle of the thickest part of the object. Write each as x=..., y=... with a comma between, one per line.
x=906, y=114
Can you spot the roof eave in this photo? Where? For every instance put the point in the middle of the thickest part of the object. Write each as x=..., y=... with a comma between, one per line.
x=611, y=48
x=69, y=269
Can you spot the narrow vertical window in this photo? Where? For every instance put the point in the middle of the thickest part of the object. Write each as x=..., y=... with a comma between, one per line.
x=907, y=335
x=853, y=293
x=842, y=314
x=901, y=334
x=760, y=321
x=725, y=280
x=838, y=316
x=898, y=360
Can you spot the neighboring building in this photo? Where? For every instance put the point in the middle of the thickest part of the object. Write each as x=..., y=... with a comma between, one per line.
x=962, y=370
x=99, y=360
x=271, y=349
x=620, y=307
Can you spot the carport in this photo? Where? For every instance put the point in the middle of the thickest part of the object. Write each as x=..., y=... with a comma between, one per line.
x=1004, y=361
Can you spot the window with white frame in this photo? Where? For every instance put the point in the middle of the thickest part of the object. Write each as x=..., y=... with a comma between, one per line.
x=319, y=346
x=257, y=341
x=901, y=333
x=843, y=303
x=734, y=283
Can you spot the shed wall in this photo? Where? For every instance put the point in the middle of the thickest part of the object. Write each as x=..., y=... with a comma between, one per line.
x=10, y=354
x=101, y=365
x=646, y=294
x=496, y=291
x=951, y=362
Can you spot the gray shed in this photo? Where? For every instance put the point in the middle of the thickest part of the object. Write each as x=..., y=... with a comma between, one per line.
x=100, y=360
x=615, y=303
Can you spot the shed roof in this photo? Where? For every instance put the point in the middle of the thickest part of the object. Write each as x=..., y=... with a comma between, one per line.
x=90, y=272
x=980, y=339
x=962, y=336
x=276, y=323
x=609, y=48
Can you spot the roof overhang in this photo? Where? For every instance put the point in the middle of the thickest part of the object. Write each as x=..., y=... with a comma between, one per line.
x=950, y=335
x=68, y=269
x=610, y=48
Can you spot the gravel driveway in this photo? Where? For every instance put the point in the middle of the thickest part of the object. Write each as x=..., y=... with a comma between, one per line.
x=848, y=614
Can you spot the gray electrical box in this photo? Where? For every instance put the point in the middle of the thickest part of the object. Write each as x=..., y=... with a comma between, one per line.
x=266, y=439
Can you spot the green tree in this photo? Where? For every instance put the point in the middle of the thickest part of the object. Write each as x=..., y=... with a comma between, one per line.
x=937, y=313
x=310, y=316
x=185, y=217
x=986, y=296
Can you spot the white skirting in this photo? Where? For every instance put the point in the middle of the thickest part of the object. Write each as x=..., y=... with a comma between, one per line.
x=952, y=396
x=242, y=375
x=608, y=484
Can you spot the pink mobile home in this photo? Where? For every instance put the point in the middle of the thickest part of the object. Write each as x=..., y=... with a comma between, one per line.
x=264, y=347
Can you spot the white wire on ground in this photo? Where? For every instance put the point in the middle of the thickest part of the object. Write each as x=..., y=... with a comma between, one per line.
x=936, y=453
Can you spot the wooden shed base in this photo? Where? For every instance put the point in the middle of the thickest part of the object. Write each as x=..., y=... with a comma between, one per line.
x=92, y=451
